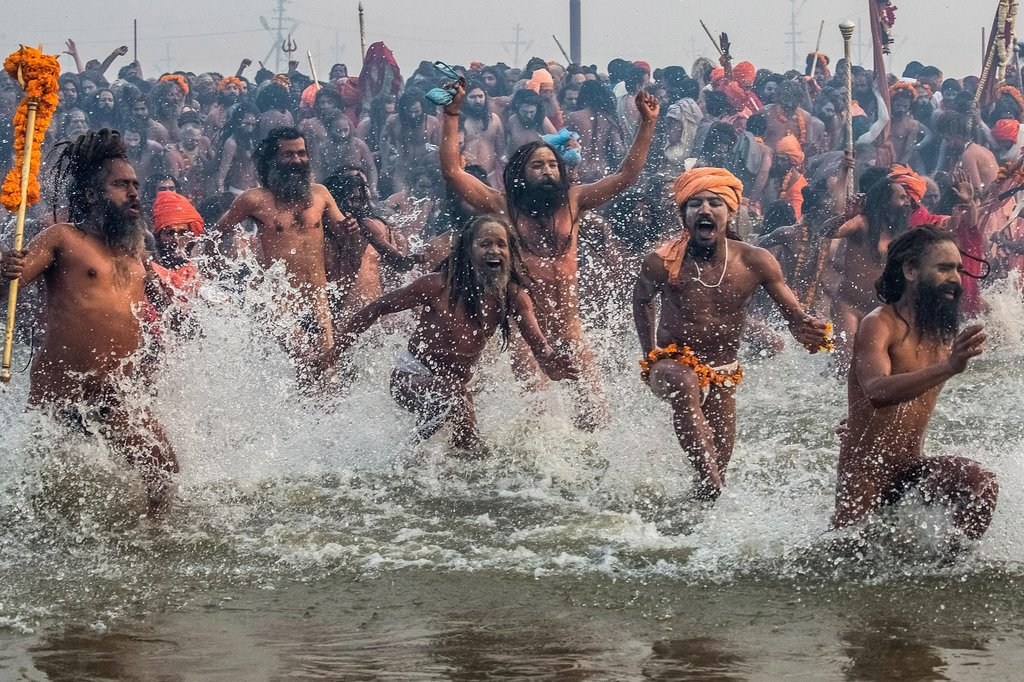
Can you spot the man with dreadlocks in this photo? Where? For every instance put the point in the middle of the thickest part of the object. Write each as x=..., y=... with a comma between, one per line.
x=476, y=291
x=96, y=279
x=545, y=211
x=904, y=353
x=290, y=211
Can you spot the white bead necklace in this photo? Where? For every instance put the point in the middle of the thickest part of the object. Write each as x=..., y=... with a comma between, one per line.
x=725, y=266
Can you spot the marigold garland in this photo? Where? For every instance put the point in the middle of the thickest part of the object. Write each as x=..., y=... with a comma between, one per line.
x=801, y=125
x=223, y=83
x=905, y=88
x=1011, y=92
x=177, y=79
x=828, y=343
x=706, y=375
x=1013, y=171
x=39, y=72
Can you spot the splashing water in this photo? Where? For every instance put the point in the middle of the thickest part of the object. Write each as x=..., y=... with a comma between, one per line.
x=277, y=490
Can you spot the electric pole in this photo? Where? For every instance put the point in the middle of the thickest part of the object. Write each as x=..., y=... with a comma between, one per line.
x=793, y=34
x=574, y=32
x=517, y=44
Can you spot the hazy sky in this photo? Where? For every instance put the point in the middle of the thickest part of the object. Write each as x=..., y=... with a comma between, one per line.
x=200, y=35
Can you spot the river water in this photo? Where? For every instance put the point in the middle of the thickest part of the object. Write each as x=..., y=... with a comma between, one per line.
x=316, y=541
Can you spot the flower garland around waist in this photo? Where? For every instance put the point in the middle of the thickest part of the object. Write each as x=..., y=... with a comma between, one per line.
x=706, y=374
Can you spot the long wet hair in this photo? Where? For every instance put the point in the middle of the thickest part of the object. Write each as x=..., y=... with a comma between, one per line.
x=461, y=280
x=908, y=248
x=265, y=155
x=876, y=210
x=78, y=166
x=514, y=175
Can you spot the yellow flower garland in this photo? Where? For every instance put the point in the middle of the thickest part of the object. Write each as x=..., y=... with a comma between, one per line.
x=39, y=72
x=706, y=375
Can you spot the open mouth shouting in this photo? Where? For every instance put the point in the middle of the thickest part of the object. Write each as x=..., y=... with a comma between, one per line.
x=704, y=227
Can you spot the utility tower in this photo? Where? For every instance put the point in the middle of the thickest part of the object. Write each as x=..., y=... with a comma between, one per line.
x=515, y=45
x=276, y=28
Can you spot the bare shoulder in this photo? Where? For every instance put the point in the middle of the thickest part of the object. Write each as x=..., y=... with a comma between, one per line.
x=879, y=325
x=752, y=255
x=653, y=268
x=431, y=285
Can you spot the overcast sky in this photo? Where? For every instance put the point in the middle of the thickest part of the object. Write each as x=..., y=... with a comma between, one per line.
x=201, y=35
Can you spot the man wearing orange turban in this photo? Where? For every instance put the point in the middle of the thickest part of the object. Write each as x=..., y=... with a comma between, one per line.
x=1006, y=132
x=176, y=224
x=787, y=168
x=690, y=353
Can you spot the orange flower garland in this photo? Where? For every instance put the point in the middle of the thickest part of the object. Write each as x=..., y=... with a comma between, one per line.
x=177, y=79
x=902, y=87
x=801, y=125
x=828, y=343
x=706, y=375
x=39, y=72
x=1011, y=92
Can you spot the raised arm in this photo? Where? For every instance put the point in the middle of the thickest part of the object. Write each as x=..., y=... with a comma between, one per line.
x=418, y=293
x=874, y=368
x=594, y=194
x=810, y=332
x=652, y=278
x=73, y=51
x=475, y=193
x=105, y=64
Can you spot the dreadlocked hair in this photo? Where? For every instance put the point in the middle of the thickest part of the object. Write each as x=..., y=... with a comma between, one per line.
x=265, y=155
x=79, y=166
x=461, y=281
x=514, y=175
x=906, y=249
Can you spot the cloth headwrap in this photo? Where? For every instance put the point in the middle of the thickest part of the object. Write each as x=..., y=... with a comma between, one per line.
x=744, y=72
x=350, y=91
x=733, y=92
x=176, y=78
x=308, y=98
x=643, y=65
x=1011, y=92
x=228, y=80
x=790, y=146
x=1006, y=130
x=717, y=73
x=904, y=87
x=540, y=78
x=717, y=180
x=282, y=79
x=913, y=184
x=170, y=208
x=570, y=155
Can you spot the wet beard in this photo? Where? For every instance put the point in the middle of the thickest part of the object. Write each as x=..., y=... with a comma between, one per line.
x=170, y=259
x=291, y=183
x=935, y=316
x=900, y=220
x=121, y=231
x=542, y=200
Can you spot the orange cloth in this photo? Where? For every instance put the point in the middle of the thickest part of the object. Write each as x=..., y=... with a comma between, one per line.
x=225, y=82
x=170, y=208
x=540, y=78
x=744, y=72
x=671, y=254
x=308, y=97
x=1006, y=130
x=176, y=78
x=733, y=92
x=790, y=146
x=716, y=73
x=717, y=180
x=903, y=87
x=794, y=195
x=183, y=279
x=913, y=184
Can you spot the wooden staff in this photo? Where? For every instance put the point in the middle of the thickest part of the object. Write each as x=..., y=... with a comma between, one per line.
x=19, y=234
x=362, y=32
x=713, y=41
x=562, y=49
x=312, y=69
x=847, y=28
x=817, y=49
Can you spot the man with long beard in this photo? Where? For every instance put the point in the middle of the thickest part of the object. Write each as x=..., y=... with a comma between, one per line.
x=483, y=133
x=545, y=212
x=410, y=136
x=475, y=292
x=905, y=352
x=89, y=368
x=705, y=280
x=290, y=212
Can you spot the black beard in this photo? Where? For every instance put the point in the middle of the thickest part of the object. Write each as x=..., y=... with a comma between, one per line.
x=864, y=97
x=900, y=220
x=120, y=230
x=480, y=113
x=701, y=251
x=170, y=260
x=291, y=182
x=410, y=123
x=543, y=199
x=935, y=316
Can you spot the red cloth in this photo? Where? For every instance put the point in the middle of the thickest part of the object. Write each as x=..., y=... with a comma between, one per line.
x=182, y=280
x=380, y=73
x=1006, y=130
x=170, y=208
x=744, y=72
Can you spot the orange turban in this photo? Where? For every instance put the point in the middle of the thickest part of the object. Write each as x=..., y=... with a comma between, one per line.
x=540, y=78
x=790, y=146
x=913, y=184
x=225, y=82
x=170, y=208
x=176, y=78
x=716, y=73
x=1006, y=130
x=711, y=179
x=744, y=72
x=902, y=87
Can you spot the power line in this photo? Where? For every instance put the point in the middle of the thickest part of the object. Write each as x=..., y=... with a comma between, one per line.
x=515, y=45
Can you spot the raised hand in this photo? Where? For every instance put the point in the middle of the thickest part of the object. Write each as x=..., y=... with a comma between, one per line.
x=962, y=186
x=966, y=345
x=72, y=49
x=458, y=90
x=648, y=106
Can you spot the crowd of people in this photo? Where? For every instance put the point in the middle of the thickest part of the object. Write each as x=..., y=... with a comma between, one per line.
x=528, y=200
